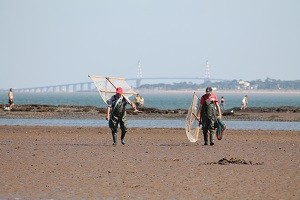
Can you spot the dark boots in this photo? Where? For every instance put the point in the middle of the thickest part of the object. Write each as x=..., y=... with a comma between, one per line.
x=123, y=137
x=205, y=138
x=114, y=135
x=211, y=138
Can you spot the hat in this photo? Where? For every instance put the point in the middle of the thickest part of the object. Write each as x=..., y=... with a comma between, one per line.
x=119, y=90
x=208, y=90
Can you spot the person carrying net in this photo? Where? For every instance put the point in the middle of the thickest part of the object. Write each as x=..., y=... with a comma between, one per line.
x=208, y=113
x=116, y=114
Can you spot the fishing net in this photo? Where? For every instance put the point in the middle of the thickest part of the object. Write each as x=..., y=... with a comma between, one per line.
x=192, y=124
x=221, y=127
x=106, y=86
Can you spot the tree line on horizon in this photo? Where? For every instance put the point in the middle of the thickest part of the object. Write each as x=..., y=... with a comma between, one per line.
x=267, y=84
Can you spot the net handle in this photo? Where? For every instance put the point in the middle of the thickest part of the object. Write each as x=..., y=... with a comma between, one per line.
x=106, y=77
x=190, y=118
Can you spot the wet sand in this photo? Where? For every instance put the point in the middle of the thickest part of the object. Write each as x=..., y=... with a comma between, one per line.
x=80, y=163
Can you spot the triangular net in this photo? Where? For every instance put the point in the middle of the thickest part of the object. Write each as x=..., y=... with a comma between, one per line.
x=192, y=124
x=106, y=86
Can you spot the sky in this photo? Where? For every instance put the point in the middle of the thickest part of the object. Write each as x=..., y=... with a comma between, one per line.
x=50, y=42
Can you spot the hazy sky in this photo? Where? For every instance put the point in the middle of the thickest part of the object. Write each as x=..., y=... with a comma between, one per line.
x=48, y=42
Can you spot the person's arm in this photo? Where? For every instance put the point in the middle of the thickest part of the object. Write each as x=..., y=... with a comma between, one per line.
x=219, y=110
x=109, y=105
x=133, y=106
x=108, y=113
x=130, y=103
x=199, y=113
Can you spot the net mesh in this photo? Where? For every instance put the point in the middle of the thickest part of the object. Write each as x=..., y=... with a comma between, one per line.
x=106, y=86
x=192, y=124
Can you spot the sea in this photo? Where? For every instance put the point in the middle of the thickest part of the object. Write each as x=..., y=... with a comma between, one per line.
x=160, y=100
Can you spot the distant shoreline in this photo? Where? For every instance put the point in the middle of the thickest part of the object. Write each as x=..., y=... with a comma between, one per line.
x=201, y=90
x=224, y=91
x=36, y=111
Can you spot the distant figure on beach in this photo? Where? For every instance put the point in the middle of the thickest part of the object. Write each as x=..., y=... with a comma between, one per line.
x=222, y=104
x=116, y=114
x=139, y=100
x=10, y=99
x=208, y=113
x=244, y=102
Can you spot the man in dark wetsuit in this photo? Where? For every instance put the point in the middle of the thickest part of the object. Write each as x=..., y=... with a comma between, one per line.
x=209, y=111
x=116, y=114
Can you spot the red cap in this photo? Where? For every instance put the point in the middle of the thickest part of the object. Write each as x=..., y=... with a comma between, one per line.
x=208, y=90
x=119, y=90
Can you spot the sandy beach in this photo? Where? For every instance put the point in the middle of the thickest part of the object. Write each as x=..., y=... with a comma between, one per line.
x=45, y=162
x=80, y=163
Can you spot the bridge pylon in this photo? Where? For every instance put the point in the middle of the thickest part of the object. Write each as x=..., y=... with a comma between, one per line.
x=139, y=75
x=207, y=73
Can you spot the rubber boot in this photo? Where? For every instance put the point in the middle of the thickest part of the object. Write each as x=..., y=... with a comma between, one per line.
x=123, y=137
x=205, y=138
x=211, y=138
x=114, y=135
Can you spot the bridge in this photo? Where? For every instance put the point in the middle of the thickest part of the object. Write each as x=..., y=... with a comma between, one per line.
x=89, y=86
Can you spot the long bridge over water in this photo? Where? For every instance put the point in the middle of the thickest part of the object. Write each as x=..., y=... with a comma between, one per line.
x=89, y=86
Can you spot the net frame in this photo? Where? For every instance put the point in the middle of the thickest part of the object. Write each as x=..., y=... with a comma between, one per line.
x=192, y=128
x=106, y=86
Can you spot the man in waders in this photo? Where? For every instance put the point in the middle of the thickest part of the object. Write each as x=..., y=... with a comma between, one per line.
x=209, y=111
x=116, y=114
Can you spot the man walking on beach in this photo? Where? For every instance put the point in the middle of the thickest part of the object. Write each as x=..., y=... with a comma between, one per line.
x=244, y=102
x=209, y=111
x=138, y=100
x=10, y=99
x=116, y=114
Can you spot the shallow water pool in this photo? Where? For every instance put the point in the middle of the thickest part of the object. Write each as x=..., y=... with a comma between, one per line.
x=145, y=123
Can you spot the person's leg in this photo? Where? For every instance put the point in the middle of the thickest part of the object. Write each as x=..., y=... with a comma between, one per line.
x=123, y=126
x=9, y=104
x=205, y=134
x=114, y=136
x=211, y=137
x=113, y=125
x=211, y=128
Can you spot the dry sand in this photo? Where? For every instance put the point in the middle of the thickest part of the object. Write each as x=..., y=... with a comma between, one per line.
x=80, y=163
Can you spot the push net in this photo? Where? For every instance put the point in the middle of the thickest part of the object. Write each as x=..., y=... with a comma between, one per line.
x=106, y=86
x=192, y=124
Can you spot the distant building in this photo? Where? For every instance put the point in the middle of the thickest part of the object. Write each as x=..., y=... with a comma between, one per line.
x=244, y=84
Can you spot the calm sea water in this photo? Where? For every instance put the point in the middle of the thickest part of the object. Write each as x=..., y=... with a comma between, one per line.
x=161, y=100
